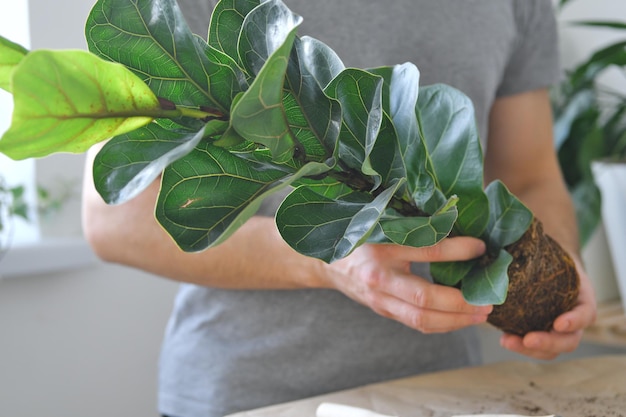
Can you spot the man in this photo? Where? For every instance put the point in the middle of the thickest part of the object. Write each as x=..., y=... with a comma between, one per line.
x=257, y=323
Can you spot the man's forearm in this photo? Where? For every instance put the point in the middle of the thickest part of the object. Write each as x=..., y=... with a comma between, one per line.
x=255, y=257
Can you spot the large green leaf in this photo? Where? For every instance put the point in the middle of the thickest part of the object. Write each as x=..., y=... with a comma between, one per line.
x=360, y=95
x=259, y=115
x=226, y=23
x=320, y=60
x=328, y=187
x=587, y=202
x=66, y=101
x=265, y=30
x=10, y=55
x=128, y=163
x=400, y=97
x=584, y=74
x=569, y=111
x=175, y=63
x=486, y=285
x=313, y=117
x=419, y=231
x=584, y=128
x=449, y=128
x=509, y=218
x=612, y=24
x=384, y=156
x=615, y=131
x=210, y=193
x=329, y=229
x=451, y=273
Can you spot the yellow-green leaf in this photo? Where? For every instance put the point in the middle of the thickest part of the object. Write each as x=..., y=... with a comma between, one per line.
x=10, y=55
x=66, y=101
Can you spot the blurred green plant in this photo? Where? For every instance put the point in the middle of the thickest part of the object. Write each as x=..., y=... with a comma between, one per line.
x=12, y=206
x=590, y=123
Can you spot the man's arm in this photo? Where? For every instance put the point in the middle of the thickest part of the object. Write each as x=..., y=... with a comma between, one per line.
x=521, y=153
x=256, y=257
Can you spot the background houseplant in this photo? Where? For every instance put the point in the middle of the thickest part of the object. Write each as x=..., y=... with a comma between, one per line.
x=590, y=122
x=12, y=205
x=590, y=131
x=254, y=111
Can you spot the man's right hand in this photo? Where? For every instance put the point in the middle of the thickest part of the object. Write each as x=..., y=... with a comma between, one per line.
x=379, y=276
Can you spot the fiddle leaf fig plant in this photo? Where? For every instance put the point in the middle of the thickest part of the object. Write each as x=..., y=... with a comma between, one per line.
x=365, y=155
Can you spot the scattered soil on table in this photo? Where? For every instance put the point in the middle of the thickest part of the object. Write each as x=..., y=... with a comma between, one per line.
x=538, y=402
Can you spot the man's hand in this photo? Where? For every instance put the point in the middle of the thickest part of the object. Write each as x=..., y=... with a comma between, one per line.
x=379, y=277
x=567, y=329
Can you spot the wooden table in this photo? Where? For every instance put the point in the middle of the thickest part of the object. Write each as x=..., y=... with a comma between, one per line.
x=610, y=326
x=590, y=387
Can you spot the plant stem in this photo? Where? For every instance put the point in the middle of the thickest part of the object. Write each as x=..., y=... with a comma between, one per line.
x=358, y=182
x=170, y=110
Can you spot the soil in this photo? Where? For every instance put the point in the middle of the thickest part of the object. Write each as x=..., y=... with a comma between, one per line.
x=543, y=284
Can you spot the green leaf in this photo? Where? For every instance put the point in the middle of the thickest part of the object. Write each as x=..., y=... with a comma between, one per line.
x=225, y=27
x=509, y=218
x=259, y=115
x=313, y=117
x=320, y=60
x=615, y=131
x=385, y=157
x=328, y=187
x=584, y=128
x=66, y=101
x=152, y=38
x=128, y=163
x=360, y=95
x=584, y=74
x=451, y=273
x=419, y=231
x=449, y=129
x=400, y=97
x=11, y=54
x=210, y=193
x=602, y=23
x=587, y=202
x=266, y=29
x=567, y=113
x=489, y=284
x=326, y=228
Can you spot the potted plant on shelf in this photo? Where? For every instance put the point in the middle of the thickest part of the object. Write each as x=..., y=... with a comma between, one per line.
x=590, y=133
x=12, y=206
x=256, y=110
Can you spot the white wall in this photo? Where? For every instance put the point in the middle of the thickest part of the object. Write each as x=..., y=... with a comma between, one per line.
x=85, y=343
x=577, y=41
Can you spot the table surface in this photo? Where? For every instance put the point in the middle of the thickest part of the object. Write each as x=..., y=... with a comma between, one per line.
x=589, y=387
x=610, y=326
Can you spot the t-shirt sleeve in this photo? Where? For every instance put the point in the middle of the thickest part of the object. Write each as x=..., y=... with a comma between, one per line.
x=534, y=61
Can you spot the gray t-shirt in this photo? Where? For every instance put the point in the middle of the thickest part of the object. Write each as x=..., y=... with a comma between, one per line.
x=231, y=350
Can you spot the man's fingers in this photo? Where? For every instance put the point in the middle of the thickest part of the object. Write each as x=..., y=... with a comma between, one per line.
x=426, y=295
x=449, y=249
x=424, y=320
x=542, y=345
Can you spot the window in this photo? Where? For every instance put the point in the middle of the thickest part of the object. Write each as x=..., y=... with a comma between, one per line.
x=14, y=25
x=29, y=252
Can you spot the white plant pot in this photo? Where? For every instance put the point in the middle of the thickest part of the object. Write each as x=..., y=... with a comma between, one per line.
x=596, y=256
x=611, y=180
